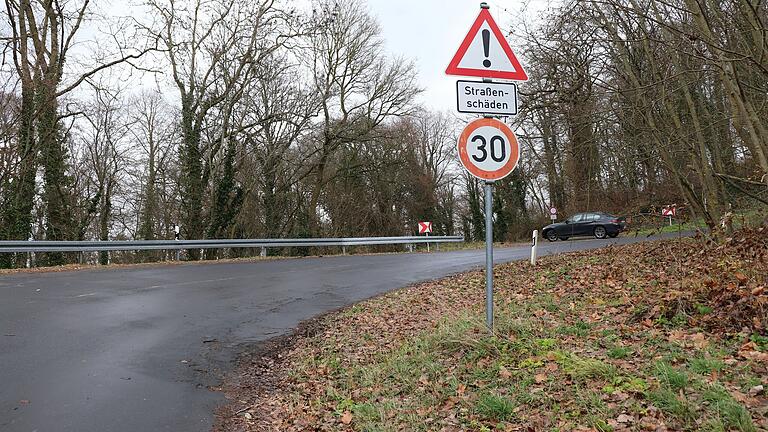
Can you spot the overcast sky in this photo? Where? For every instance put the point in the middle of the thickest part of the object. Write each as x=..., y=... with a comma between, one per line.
x=427, y=32
x=430, y=31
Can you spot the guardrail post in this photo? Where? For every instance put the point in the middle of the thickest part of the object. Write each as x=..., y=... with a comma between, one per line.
x=410, y=247
x=263, y=252
x=343, y=250
x=534, y=247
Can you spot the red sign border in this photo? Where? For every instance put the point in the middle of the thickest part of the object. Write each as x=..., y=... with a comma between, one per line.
x=454, y=69
x=464, y=155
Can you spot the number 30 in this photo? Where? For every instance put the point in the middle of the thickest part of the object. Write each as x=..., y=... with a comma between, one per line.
x=484, y=152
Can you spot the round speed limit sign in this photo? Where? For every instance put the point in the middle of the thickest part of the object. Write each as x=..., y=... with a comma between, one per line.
x=488, y=149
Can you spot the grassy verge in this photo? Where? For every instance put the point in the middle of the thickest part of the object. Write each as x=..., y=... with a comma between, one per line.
x=740, y=219
x=677, y=226
x=656, y=336
x=448, y=247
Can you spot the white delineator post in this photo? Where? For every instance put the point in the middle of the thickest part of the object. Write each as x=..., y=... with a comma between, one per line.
x=31, y=255
x=534, y=247
x=177, y=235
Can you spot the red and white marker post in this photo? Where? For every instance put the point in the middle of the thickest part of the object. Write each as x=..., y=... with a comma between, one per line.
x=425, y=228
x=669, y=211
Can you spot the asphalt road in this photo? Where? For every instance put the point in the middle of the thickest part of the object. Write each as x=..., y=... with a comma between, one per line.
x=135, y=349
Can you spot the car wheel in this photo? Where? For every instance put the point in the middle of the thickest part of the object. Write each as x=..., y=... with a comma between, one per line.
x=551, y=235
x=613, y=235
x=600, y=232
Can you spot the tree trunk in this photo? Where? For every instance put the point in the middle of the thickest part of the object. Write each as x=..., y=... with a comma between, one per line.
x=17, y=216
x=54, y=176
x=104, y=216
x=191, y=186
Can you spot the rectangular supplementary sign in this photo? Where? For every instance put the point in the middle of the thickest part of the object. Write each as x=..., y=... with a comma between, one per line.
x=486, y=98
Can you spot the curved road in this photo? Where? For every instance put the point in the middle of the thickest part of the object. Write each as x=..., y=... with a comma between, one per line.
x=135, y=349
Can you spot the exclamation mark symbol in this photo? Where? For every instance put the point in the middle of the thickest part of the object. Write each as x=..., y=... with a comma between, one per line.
x=486, y=47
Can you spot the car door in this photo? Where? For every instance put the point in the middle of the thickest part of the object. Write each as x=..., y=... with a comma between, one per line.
x=566, y=228
x=577, y=221
x=584, y=226
x=588, y=225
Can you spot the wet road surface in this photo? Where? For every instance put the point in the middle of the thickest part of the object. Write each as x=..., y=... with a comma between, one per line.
x=134, y=349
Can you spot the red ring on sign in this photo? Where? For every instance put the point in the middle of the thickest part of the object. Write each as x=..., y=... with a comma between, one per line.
x=513, y=144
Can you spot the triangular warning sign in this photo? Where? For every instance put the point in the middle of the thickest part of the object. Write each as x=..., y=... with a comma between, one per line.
x=486, y=53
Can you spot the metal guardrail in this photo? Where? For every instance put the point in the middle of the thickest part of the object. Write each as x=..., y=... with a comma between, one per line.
x=18, y=246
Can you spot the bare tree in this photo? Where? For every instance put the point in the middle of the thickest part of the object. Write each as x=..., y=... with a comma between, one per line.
x=214, y=48
x=152, y=129
x=43, y=35
x=106, y=156
x=284, y=107
x=359, y=87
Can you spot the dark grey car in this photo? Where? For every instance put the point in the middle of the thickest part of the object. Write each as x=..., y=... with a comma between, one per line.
x=600, y=225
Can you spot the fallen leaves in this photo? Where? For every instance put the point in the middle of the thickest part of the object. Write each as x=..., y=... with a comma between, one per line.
x=741, y=277
x=621, y=310
x=504, y=373
x=552, y=367
x=346, y=418
x=696, y=340
x=424, y=380
x=750, y=351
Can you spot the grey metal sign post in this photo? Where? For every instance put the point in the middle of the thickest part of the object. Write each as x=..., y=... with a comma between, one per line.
x=489, y=254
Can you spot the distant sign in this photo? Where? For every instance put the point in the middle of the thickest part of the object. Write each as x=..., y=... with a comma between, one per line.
x=486, y=98
x=553, y=211
x=425, y=227
x=488, y=149
x=669, y=211
x=486, y=53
